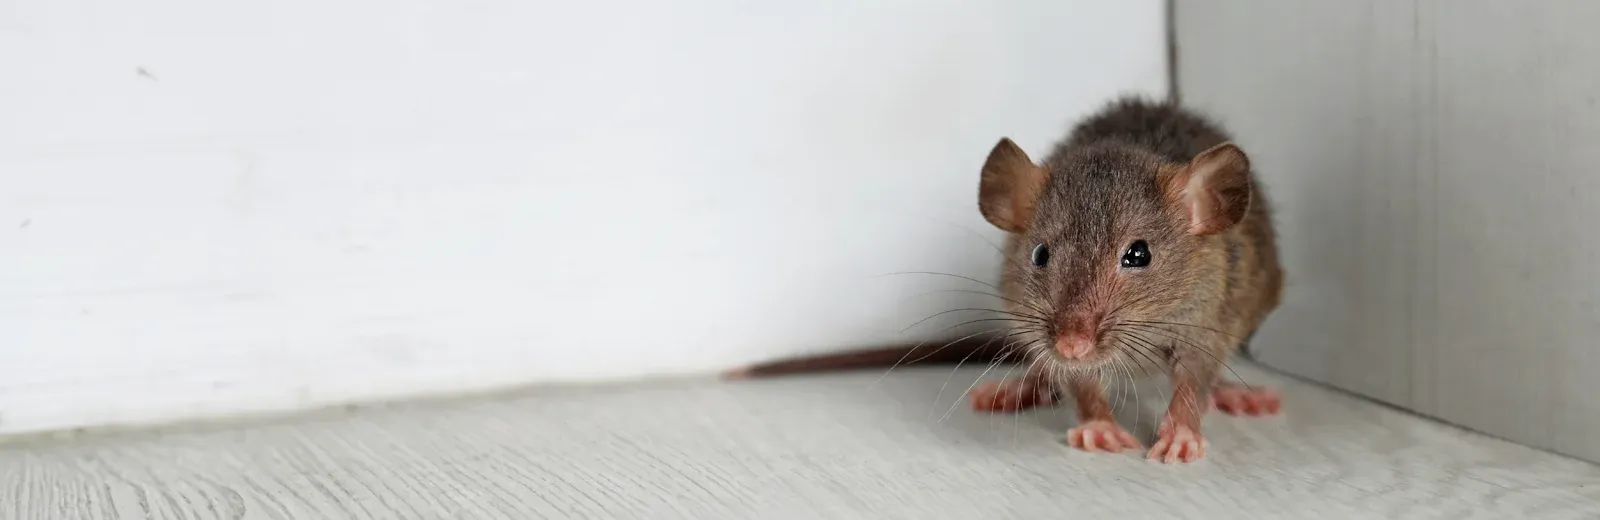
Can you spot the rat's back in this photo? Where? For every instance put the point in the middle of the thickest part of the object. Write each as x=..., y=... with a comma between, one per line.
x=1165, y=128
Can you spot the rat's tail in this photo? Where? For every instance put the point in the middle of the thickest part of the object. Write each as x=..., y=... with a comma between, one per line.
x=978, y=350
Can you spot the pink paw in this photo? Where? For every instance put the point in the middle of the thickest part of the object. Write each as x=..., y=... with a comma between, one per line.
x=1177, y=444
x=1241, y=400
x=1008, y=396
x=1101, y=435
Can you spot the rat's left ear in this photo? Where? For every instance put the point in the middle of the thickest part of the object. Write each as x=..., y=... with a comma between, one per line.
x=1010, y=186
x=1213, y=189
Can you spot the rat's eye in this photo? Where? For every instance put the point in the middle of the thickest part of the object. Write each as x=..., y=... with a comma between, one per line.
x=1041, y=255
x=1137, y=255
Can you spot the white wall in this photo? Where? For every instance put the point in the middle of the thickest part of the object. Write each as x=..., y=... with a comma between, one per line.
x=215, y=207
x=1435, y=165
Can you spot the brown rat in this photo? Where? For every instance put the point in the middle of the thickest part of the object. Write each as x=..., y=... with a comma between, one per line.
x=1141, y=241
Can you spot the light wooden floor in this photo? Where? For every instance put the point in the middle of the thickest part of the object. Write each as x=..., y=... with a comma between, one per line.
x=838, y=446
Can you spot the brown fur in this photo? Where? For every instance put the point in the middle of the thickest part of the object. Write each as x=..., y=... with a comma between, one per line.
x=1107, y=187
x=1136, y=170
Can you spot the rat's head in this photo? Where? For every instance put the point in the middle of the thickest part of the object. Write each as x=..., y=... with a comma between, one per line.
x=1109, y=240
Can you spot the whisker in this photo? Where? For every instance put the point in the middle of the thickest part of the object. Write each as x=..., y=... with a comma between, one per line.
x=1156, y=364
x=1109, y=376
x=1002, y=339
x=934, y=273
x=1194, y=403
x=947, y=345
x=971, y=309
x=1138, y=404
x=1016, y=415
x=1016, y=419
x=964, y=393
x=1173, y=323
x=1003, y=378
x=919, y=345
x=1030, y=317
x=1191, y=343
x=968, y=391
x=1202, y=349
x=1130, y=301
x=1029, y=326
x=1133, y=335
x=1187, y=341
x=981, y=347
x=1122, y=367
x=1193, y=406
x=1143, y=351
x=1009, y=300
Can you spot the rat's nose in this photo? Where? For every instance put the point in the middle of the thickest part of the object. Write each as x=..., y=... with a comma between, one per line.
x=1074, y=346
x=1077, y=338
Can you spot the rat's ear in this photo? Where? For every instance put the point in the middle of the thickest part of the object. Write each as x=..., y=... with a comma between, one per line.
x=1213, y=189
x=1010, y=187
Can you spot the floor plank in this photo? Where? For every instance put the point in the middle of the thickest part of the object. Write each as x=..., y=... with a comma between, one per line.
x=836, y=446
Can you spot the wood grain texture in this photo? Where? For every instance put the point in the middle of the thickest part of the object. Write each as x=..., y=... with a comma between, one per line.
x=841, y=446
x=1433, y=163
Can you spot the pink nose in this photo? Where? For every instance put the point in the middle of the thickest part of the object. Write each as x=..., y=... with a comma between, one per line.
x=1074, y=346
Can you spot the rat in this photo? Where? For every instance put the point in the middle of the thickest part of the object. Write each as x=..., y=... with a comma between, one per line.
x=1142, y=243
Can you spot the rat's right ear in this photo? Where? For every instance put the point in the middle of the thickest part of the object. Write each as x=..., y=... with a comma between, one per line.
x=1213, y=190
x=1010, y=187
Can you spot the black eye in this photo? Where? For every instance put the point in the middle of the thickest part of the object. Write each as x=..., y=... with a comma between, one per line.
x=1137, y=255
x=1041, y=255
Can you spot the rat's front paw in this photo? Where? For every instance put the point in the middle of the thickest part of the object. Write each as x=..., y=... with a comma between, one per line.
x=1177, y=444
x=1101, y=435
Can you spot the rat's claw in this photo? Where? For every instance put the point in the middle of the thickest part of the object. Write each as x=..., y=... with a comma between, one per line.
x=1178, y=444
x=1101, y=435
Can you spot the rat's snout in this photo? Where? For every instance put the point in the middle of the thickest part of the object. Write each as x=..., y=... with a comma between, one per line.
x=1074, y=346
x=1078, y=336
